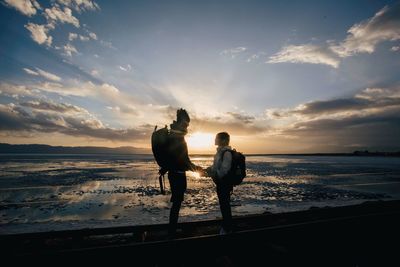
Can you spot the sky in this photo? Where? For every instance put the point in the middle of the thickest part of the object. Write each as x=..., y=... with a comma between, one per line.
x=279, y=76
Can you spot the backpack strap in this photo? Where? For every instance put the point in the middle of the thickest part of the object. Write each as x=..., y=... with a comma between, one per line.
x=230, y=150
x=222, y=157
x=223, y=154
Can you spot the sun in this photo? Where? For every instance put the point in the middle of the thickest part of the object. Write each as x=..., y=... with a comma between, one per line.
x=200, y=140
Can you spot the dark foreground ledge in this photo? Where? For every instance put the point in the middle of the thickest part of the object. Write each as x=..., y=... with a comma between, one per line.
x=359, y=235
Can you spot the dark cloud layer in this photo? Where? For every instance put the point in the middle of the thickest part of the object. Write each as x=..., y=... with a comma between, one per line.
x=52, y=106
x=368, y=99
x=19, y=118
x=368, y=119
x=346, y=104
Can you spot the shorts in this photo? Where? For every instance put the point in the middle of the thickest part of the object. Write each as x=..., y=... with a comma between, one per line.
x=178, y=183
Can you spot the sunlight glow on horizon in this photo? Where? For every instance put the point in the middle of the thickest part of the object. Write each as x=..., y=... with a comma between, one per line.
x=199, y=140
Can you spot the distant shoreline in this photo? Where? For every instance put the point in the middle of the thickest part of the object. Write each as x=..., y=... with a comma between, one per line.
x=30, y=149
x=354, y=154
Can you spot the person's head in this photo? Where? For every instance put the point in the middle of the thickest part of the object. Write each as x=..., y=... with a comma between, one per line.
x=222, y=139
x=182, y=118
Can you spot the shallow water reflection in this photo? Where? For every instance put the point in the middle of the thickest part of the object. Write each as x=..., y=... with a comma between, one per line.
x=72, y=191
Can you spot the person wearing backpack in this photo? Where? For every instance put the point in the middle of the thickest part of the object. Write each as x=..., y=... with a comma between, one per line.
x=228, y=169
x=178, y=163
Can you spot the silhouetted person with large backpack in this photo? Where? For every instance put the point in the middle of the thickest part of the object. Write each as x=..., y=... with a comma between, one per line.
x=171, y=152
x=227, y=171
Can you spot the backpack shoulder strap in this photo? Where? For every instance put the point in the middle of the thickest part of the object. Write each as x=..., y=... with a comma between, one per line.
x=230, y=150
x=223, y=154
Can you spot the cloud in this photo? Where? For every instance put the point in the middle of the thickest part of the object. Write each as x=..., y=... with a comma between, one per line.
x=370, y=118
x=31, y=72
x=84, y=89
x=379, y=130
x=127, y=109
x=369, y=100
x=76, y=88
x=321, y=126
x=236, y=128
x=48, y=75
x=55, y=13
x=39, y=33
x=41, y=117
x=26, y=7
x=94, y=72
x=45, y=74
x=93, y=35
x=15, y=90
x=127, y=68
x=236, y=124
x=69, y=49
x=255, y=56
x=362, y=38
x=72, y=36
x=395, y=48
x=124, y=109
x=242, y=117
x=365, y=36
x=54, y=107
x=80, y=5
x=84, y=38
x=307, y=53
x=233, y=52
x=332, y=106
x=60, y=12
x=105, y=93
x=107, y=44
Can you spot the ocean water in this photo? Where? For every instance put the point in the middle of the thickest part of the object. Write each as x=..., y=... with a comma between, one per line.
x=54, y=192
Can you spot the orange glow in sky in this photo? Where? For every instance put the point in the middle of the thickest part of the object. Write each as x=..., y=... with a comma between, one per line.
x=201, y=141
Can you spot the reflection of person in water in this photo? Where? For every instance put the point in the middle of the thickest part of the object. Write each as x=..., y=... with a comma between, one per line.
x=219, y=171
x=179, y=164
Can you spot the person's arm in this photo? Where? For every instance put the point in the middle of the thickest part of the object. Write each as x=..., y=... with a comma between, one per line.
x=225, y=166
x=189, y=164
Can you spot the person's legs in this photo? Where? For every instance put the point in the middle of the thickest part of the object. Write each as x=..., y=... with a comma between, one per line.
x=177, y=182
x=224, y=197
x=173, y=217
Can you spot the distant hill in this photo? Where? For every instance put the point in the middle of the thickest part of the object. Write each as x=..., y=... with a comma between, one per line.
x=376, y=153
x=47, y=149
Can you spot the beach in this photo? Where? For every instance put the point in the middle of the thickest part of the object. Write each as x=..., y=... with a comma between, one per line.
x=42, y=192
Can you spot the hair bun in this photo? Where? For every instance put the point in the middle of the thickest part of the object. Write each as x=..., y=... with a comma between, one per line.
x=181, y=115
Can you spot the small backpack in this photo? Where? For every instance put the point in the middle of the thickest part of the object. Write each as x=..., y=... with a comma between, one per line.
x=238, y=167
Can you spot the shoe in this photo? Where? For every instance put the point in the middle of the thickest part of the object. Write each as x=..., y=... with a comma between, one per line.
x=222, y=231
x=174, y=233
x=171, y=234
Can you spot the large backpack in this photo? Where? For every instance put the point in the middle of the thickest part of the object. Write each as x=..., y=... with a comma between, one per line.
x=160, y=147
x=238, y=167
x=161, y=152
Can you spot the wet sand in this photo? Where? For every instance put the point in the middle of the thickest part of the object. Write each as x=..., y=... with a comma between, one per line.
x=44, y=192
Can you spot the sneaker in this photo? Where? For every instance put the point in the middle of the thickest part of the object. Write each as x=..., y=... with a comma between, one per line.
x=174, y=234
x=223, y=232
